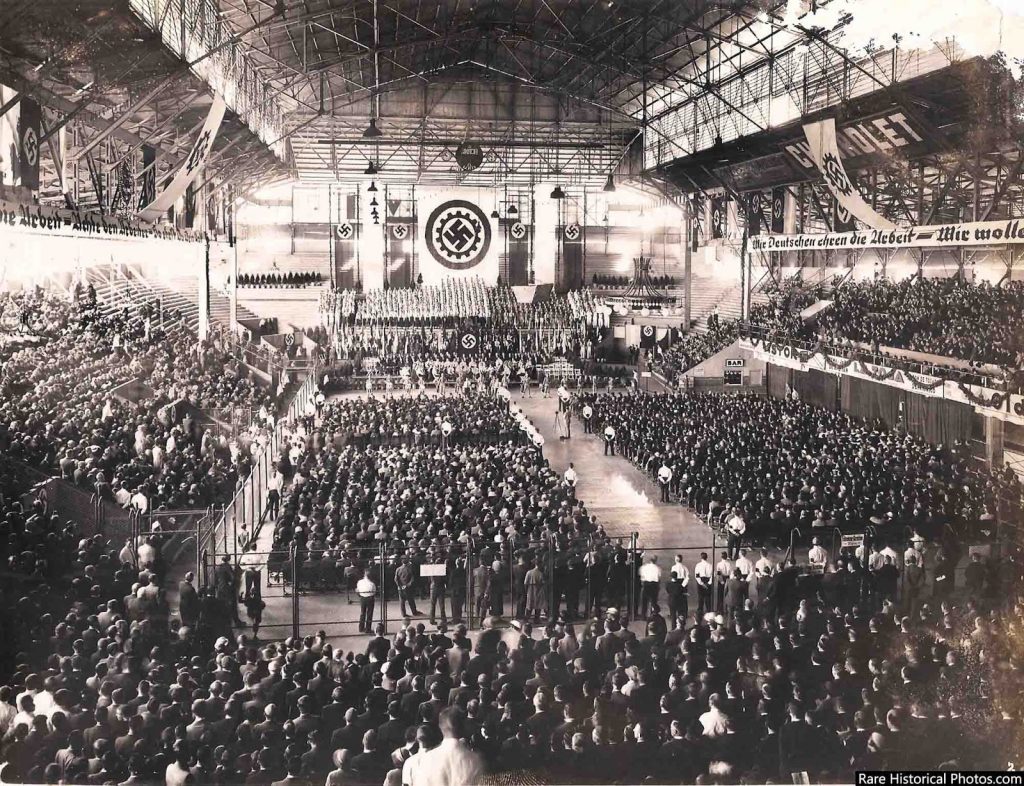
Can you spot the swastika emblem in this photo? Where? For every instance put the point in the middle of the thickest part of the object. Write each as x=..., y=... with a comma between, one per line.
x=517, y=230
x=469, y=341
x=777, y=208
x=199, y=152
x=30, y=146
x=458, y=234
x=400, y=231
x=648, y=330
x=572, y=231
x=345, y=231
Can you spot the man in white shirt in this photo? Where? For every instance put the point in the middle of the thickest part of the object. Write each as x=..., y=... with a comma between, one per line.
x=609, y=440
x=735, y=526
x=427, y=739
x=817, y=555
x=367, y=592
x=764, y=565
x=714, y=721
x=570, y=476
x=650, y=581
x=664, y=480
x=681, y=579
x=274, y=486
x=744, y=565
x=723, y=572
x=140, y=502
x=704, y=575
x=588, y=418
x=453, y=762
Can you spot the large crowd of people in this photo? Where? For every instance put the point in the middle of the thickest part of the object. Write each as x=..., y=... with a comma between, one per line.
x=293, y=278
x=106, y=680
x=979, y=323
x=60, y=409
x=783, y=464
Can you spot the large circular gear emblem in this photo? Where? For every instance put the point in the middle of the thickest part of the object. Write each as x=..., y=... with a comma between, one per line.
x=458, y=234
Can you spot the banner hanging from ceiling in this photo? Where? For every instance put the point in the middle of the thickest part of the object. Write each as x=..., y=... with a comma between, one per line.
x=455, y=237
x=821, y=141
x=972, y=233
x=29, y=125
x=190, y=167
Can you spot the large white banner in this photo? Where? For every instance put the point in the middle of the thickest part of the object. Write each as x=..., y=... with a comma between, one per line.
x=973, y=233
x=457, y=238
x=191, y=166
x=821, y=139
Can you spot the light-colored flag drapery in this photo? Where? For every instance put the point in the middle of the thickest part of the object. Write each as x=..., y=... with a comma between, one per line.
x=821, y=137
x=186, y=174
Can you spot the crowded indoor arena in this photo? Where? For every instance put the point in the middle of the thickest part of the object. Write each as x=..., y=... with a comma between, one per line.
x=511, y=392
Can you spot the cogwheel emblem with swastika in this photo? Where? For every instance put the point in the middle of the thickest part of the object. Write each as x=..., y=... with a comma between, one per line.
x=458, y=234
x=836, y=175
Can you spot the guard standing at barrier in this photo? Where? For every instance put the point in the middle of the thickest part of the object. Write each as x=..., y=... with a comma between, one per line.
x=438, y=592
x=225, y=584
x=703, y=574
x=650, y=582
x=588, y=419
x=188, y=601
x=367, y=592
x=679, y=579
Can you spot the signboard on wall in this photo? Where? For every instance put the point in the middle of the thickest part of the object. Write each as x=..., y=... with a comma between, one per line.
x=455, y=239
x=867, y=137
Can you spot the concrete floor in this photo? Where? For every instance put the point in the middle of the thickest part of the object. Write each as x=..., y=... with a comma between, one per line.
x=623, y=499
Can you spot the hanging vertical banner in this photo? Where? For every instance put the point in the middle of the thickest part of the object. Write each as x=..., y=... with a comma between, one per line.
x=191, y=166
x=190, y=205
x=148, y=191
x=821, y=138
x=454, y=236
x=842, y=219
x=755, y=214
x=778, y=210
x=28, y=143
x=718, y=217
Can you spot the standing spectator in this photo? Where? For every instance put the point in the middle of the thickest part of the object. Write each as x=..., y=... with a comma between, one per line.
x=367, y=592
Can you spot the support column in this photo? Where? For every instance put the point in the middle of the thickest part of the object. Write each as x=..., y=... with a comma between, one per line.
x=203, y=294
x=994, y=436
x=689, y=236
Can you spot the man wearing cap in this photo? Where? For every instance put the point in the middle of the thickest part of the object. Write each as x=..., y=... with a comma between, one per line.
x=367, y=592
x=188, y=601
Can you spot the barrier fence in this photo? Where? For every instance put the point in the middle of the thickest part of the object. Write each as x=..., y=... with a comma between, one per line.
x=235, y=525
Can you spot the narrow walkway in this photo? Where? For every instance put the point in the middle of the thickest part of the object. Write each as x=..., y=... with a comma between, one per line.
x=622, y=497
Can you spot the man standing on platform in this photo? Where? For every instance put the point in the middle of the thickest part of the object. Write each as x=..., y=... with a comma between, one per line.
x=367, y=592
x=438, y=591
x=405, y=580
x=480, y=584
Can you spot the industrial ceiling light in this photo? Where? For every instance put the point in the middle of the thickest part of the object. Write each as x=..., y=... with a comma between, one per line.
x=371, y=169
x=372, y=132
x=373, y=187
x=513, y=210
x=557, y=193
x=495, y=214
x=609, y=184
x=374, y=202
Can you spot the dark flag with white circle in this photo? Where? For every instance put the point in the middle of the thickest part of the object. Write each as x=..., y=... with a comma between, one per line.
x=467, y=341
x=718, y=217
x=755, y=214
x=778, y=211
x=648, y=336
x=29, y=123
x=842, y=219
